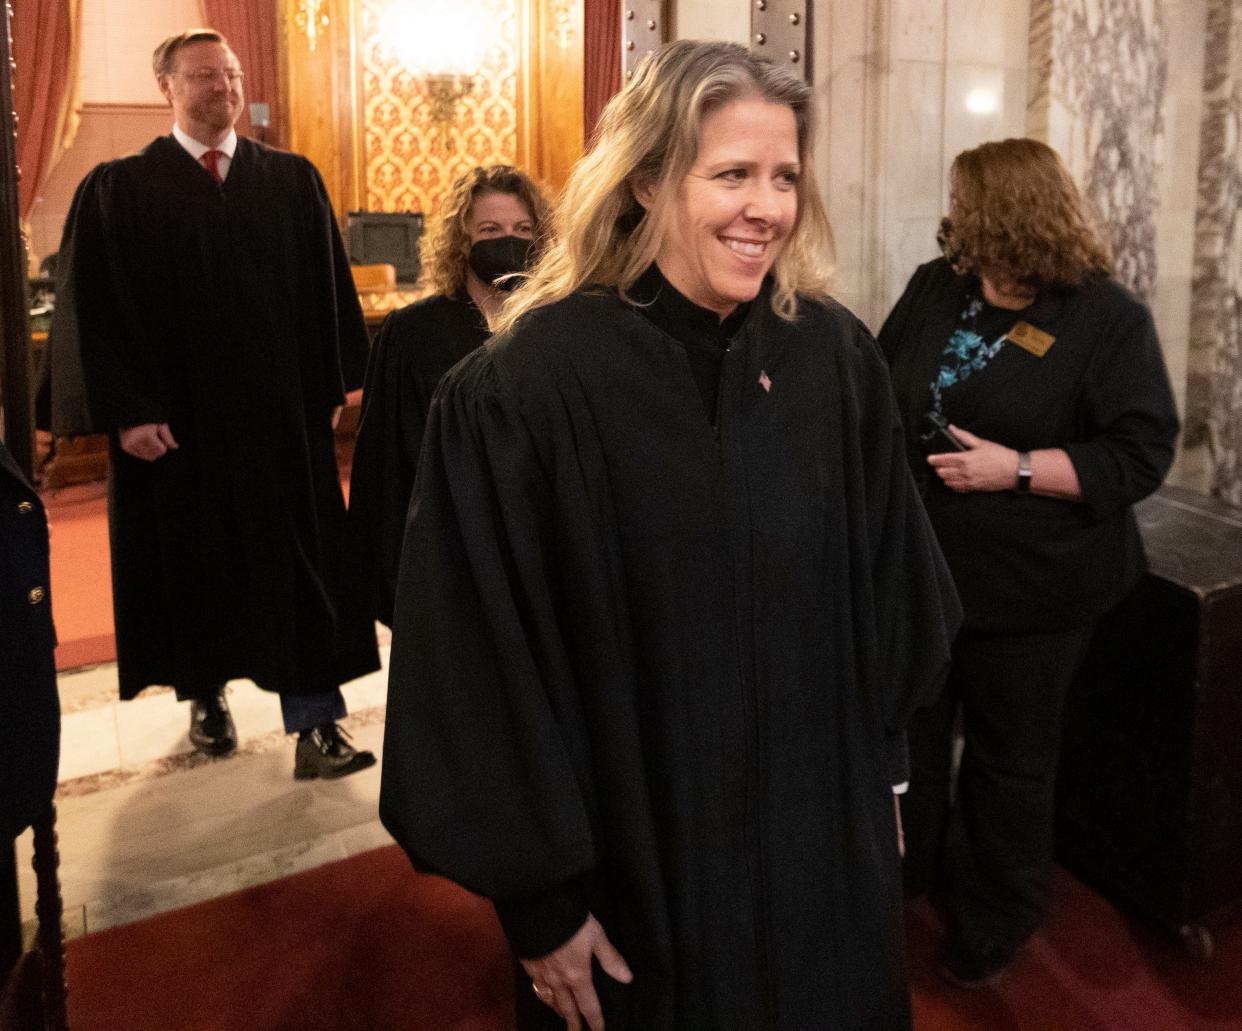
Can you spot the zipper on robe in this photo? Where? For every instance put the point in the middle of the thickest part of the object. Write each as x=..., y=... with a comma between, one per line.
x=752, y=802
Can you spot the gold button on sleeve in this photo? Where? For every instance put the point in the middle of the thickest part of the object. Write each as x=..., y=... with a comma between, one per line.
x=25, y=507
x=36, y=595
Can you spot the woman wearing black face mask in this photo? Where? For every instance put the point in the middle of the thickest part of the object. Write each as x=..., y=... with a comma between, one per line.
x=488, y=230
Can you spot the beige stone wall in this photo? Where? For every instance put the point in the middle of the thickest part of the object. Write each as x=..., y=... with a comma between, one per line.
x=905, y=85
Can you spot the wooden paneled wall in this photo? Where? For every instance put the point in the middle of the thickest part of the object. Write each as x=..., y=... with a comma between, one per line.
x=319, y=67
x=550, y=121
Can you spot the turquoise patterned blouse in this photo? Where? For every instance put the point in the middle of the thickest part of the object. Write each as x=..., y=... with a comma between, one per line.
x=965, y=354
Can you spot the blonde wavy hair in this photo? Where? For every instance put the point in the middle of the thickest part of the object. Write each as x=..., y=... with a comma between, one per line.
x=649, y=133
x=447, y=250
x=1017, y=217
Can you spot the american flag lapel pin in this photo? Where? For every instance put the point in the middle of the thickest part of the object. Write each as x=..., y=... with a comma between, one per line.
x=765, y=382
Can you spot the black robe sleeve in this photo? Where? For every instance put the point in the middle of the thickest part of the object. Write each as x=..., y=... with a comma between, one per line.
x=376, y=474
x=492, y=801
x=915, y=602
x=339, y=295
x=104, y=370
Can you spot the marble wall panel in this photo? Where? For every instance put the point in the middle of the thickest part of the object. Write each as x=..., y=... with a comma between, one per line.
x=915, y=149
x=976, y=31
x=1214, y=382
x=974, y=106
x=1102, y=66
x=917, y=32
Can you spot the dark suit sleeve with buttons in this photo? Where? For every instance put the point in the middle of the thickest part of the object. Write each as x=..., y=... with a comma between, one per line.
x=29, y=708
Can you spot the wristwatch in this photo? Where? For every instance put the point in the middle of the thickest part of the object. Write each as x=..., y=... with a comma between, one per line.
x=1024, y=472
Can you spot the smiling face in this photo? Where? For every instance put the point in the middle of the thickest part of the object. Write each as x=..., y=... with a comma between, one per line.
x=205, y=90
x=736, y=207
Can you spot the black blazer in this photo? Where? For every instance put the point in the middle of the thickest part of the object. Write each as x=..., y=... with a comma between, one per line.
x=1101, y=392
x=29, y=707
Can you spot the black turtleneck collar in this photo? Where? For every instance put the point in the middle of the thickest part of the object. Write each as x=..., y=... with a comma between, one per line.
x=699, y=330
x=679, y=317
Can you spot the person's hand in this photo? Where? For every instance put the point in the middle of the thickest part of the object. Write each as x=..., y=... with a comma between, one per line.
x=562, y=978
x=149, y=441
x=983, y=466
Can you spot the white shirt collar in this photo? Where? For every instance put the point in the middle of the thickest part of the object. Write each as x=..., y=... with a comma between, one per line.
x=196, y=150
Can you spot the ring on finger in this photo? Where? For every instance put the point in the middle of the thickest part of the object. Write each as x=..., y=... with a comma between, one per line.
x=542, y=991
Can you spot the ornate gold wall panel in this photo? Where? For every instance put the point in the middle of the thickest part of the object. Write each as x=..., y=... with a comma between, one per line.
x=365, y=119
x=409, y=163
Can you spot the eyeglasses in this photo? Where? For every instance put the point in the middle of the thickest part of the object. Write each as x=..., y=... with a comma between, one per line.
x=206, y=76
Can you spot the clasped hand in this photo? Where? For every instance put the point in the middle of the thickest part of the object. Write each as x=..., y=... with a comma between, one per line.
x=149, y=441
x=984, y=466
x=562, y=978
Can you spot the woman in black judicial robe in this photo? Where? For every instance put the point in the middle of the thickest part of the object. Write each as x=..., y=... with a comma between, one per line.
x=1051, y=375
x=485, y=234
x=668, y=596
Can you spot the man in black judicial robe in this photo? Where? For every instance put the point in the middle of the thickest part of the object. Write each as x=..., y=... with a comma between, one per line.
x=207, y=320
x=654, y=652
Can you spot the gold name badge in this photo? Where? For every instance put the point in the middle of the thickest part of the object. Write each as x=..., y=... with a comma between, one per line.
x=1031, y=339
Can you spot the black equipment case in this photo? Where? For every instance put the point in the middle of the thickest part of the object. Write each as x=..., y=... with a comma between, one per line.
x=1149, y=807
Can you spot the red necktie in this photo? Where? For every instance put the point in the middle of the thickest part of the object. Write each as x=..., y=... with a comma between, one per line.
x=211, y=162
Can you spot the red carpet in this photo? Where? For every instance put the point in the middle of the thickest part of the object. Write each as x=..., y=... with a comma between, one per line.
x=361, y=944
x=366, y=945
x=81, y=575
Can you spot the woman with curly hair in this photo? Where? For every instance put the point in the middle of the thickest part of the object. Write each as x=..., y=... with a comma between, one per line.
x=667, y=595
x=486, y=235
x=1037, y=412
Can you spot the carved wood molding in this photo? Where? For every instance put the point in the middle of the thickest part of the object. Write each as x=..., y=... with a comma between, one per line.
x=550, y=137
x=320, y=72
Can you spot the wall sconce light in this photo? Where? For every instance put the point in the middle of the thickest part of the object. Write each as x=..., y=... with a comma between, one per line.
x=444, y=90
x=311, y=18
x=440, y=45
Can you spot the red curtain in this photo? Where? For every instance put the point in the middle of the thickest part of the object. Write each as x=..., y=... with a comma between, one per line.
x=601, y=59
x=45, y=51
x=250, y=28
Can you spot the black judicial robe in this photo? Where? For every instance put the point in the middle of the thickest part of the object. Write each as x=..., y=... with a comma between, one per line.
x=659, y=671
x=413, y=349
x=228, y=312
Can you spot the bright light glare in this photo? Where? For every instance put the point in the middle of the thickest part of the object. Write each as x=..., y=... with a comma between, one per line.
x=981, y=102
x=434, y=37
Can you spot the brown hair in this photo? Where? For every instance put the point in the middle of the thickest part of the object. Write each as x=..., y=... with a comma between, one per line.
x=448, y=243
x=649, y=133
x=1018, y=218
x=165, y=55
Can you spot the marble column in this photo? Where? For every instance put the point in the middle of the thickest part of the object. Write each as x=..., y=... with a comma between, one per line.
x=1214, y=383
x=1097, y=94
